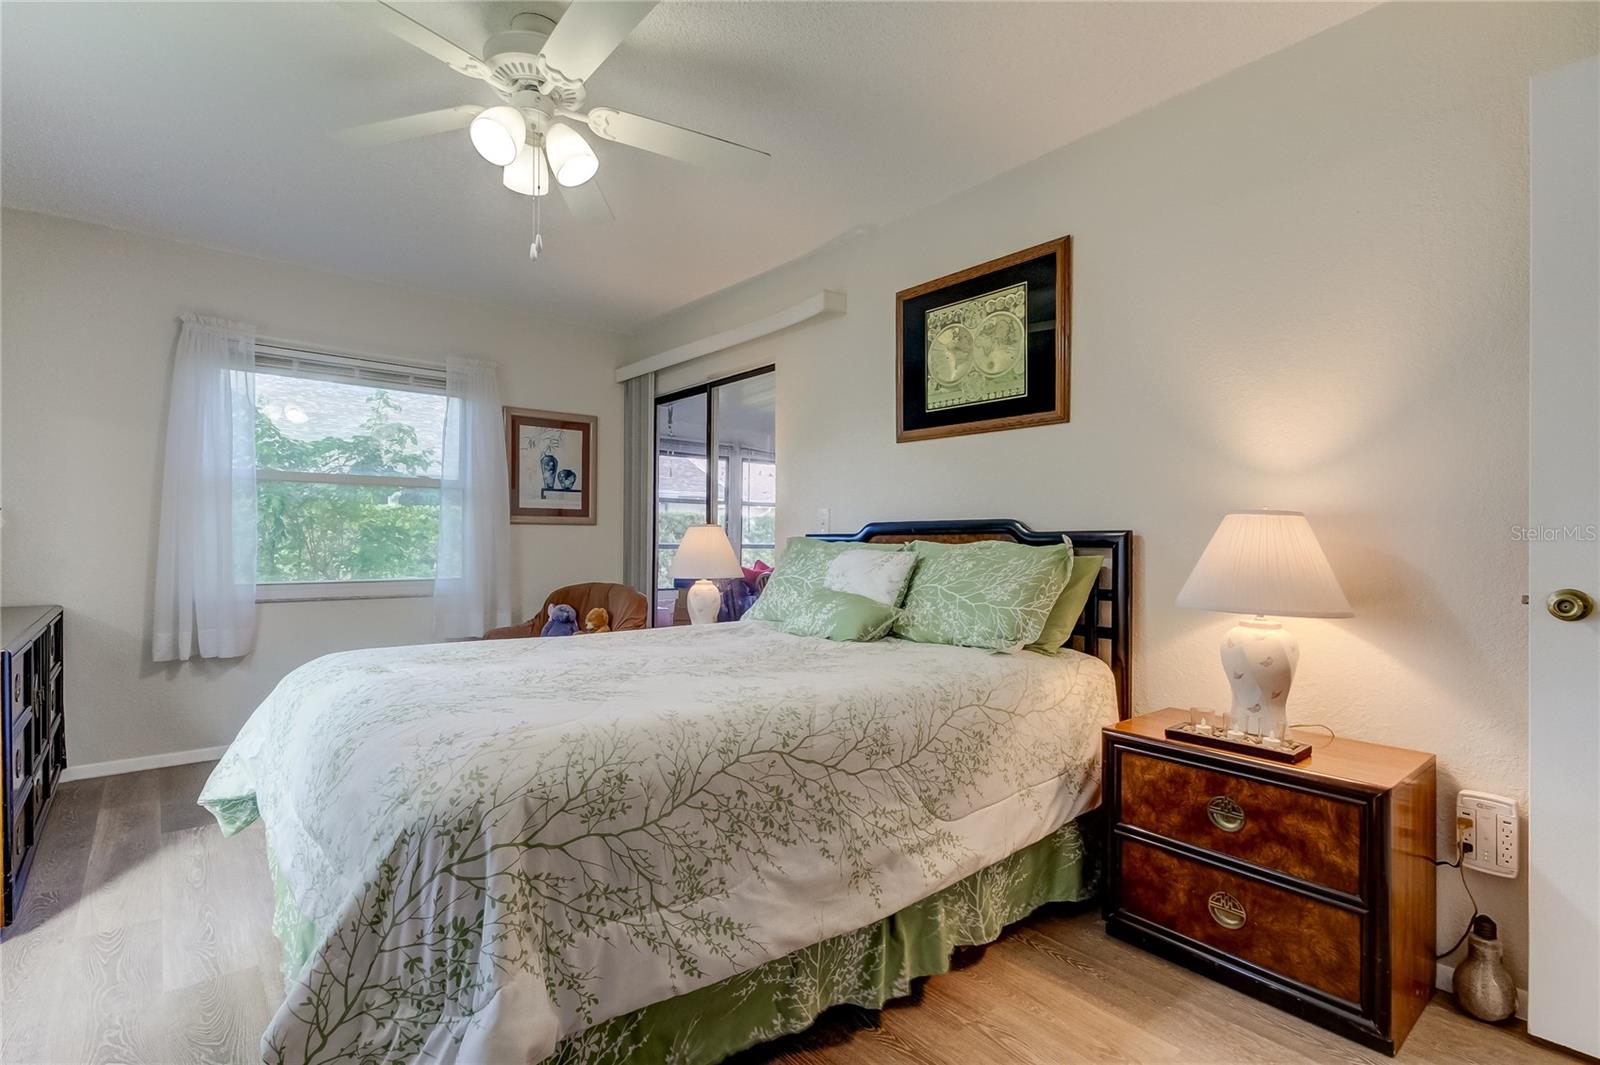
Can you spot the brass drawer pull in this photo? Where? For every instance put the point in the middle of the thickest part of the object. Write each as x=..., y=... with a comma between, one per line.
x=1225, y=813
x=1226, y=910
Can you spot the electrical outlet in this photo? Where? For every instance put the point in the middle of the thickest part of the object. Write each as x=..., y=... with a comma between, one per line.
x=1489, y=824
x=822, y=519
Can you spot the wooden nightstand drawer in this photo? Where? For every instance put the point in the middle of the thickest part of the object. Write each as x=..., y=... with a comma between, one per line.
x=1308, y=836
x=1310, y=886
x=1310, y=942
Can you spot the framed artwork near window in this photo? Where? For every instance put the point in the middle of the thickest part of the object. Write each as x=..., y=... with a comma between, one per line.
x=551, y=461
x=986, y=348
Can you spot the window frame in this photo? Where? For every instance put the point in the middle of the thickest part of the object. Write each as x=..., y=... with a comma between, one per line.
x=283, y=359
x=745, y=505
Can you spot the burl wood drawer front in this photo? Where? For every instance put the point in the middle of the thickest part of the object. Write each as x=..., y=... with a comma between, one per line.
x=1312, y=942
x=1306, y=836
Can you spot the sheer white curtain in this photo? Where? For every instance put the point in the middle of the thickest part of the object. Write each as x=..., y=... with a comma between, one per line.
x=205, y=600
x=472, y=591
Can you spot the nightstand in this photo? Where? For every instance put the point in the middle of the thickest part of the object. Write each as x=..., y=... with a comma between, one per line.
x=1309, y=886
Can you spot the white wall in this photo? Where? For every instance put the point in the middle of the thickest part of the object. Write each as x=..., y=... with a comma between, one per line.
x=89, y=330
x=1303, y=285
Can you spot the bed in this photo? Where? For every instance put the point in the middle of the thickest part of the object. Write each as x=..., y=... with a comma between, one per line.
x=661, y=845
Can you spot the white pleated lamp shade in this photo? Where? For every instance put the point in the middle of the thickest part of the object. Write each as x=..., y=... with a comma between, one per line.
x=1265, y=562
x=705, y=553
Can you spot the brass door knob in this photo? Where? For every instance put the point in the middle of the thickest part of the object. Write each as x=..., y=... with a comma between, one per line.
x=1569, y=604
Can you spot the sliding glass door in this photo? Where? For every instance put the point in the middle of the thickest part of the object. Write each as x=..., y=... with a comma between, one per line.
x=732, y=421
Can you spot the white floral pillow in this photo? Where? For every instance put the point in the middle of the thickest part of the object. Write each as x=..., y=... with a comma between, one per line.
x=881, y=576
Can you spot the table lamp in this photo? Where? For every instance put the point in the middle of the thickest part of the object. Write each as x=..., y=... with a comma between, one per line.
x=704, y=555
x=1265, y=563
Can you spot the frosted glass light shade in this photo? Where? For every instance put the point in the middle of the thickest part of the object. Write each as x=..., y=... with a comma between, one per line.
x=528, y=174
x=571, y=158
x=1265, y=562
x=706, y=553
x=498, y=133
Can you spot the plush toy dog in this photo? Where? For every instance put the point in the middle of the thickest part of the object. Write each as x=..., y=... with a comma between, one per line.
x=597, y=620
x=563, y=621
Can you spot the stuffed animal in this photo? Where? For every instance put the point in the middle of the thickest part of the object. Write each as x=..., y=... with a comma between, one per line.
x=563, y=621
x=597, y=620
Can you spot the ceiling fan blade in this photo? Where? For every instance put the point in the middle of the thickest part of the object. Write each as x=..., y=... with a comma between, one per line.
x=587, y=203
x=687, y=145
x=419, y=36
x=409, y=127
x=588, y=32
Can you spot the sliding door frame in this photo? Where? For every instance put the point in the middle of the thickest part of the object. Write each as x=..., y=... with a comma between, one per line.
x=707, y=389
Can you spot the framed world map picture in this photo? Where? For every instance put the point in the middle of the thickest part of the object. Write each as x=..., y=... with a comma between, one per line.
x=987, y=348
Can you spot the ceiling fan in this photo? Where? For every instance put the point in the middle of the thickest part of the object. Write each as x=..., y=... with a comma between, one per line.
x=539, y=68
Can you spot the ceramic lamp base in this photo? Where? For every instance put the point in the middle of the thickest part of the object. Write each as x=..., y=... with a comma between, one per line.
x=1260, y=657
x=704, y=603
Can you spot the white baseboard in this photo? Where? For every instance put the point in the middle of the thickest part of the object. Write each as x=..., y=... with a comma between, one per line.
x=135, y=765
x=1443, y=973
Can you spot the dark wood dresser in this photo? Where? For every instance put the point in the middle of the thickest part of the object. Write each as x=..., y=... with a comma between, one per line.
x=33, y=728
x=1309, y=886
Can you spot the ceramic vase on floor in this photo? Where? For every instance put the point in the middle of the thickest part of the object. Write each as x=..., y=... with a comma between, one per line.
x=1482, y=984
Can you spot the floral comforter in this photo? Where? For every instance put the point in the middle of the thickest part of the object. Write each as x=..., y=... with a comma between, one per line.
x=500, y=844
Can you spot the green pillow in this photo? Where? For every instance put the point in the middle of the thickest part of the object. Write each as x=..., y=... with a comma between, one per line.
x=1069, y=606
x=840, y=616
x=991, y=594
x=801, y=569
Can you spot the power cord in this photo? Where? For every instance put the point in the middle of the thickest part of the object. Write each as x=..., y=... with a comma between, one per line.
x=1312, y=724
x=1463, y=848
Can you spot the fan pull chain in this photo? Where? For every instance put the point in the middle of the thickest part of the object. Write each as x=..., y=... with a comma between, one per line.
x=537, y=245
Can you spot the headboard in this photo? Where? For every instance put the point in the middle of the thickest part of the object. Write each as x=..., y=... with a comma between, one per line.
x=1106, y=627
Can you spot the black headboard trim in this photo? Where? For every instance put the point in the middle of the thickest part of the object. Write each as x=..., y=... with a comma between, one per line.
x=1106, y=627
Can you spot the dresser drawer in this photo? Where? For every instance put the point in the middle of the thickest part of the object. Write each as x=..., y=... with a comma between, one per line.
x=1311, y=942
x=1311, y=837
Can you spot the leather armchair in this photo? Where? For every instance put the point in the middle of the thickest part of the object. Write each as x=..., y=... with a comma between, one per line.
x=628, y=609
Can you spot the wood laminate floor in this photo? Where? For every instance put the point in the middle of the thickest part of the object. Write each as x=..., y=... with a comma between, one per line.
x=145, y=937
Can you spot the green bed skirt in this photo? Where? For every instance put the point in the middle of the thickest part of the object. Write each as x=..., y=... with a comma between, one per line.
x=867, y=967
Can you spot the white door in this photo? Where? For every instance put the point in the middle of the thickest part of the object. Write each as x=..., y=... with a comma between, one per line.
x=1564, y=552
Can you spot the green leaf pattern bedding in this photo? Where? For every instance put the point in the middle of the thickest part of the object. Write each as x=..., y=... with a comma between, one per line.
x=500, y=844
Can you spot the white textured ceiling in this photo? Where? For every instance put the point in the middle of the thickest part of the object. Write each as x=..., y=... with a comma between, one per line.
x=209, y=123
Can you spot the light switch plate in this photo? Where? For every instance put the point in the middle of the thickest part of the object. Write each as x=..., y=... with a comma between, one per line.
x=822, y=519
x=1489, y=823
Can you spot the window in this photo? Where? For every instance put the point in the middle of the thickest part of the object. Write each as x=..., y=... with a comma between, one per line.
x=347, y=476
x=758, y=506
x=680, y=503
x=734, y=420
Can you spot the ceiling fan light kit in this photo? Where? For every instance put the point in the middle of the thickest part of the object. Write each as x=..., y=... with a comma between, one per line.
x=539, y=68
x=499, y=133
x=571, y=158
x=529, y=174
